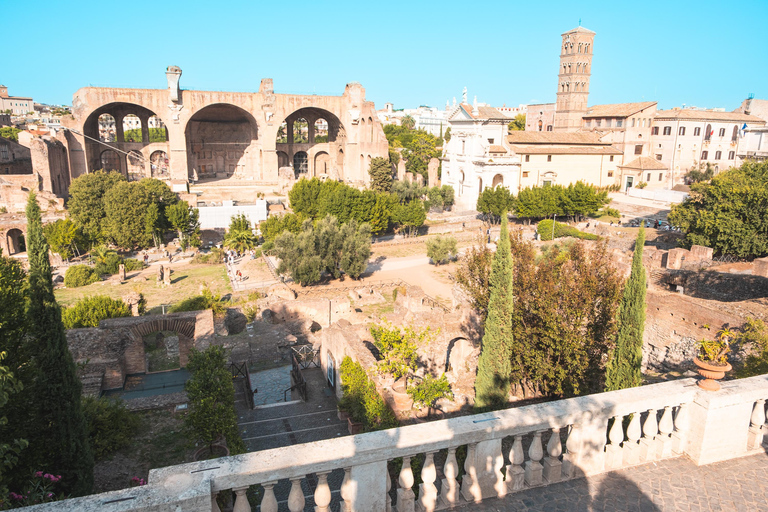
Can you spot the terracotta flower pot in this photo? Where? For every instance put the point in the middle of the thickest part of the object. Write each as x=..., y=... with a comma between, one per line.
x=402, y=400
x=342, y=415
x=354, y=428
x=711, y=373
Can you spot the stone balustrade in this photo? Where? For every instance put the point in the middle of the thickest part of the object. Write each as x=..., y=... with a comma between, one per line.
x=504, y=452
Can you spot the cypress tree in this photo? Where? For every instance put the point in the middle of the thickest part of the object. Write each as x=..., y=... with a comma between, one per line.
x=495, y=364
x=623, y=369
x=61, y=433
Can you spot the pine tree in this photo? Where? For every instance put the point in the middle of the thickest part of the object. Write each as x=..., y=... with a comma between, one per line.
x=495, y=364
x=623, y=369
x=61, y=431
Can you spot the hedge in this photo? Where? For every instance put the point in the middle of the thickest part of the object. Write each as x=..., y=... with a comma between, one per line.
x=361, y=400
x=80, y=275
x=90, y=311
x=544, y=229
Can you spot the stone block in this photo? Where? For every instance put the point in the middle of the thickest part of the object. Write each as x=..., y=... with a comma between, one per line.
x=760, y=267
x=648, y=450
x=552, y=469
x=701, y=253
x=675, y=258
x=631, y=453
x=533, y=473
x=515, y=478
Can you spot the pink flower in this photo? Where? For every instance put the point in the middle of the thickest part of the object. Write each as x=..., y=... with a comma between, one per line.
x=16, y=496
x=50, y=495
x=39, y=474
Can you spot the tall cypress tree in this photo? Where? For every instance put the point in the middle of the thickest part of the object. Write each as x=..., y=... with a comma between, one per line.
x=623, y=369
x=495, y=364
x=61, y=432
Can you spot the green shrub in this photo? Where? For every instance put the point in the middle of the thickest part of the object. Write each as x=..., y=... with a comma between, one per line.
x=267, y=246
x=132, y=264
x=196, y=303
x=89, y=311
x=361, y=400
x=110, y=264
x=441, y=248
x=80, y=275
x=429, y=390
x=544, y=229
x=257, y=253
x=110, y=425
x=212, y=257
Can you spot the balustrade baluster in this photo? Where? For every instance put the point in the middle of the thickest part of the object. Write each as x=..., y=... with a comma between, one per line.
x=241, y=501
x=631, y=447
x=552, y=467
x=666, y=427
x=405, y=495
x=681, y=429
x=756, y=422
x=296, y=496
x=571, y=457
x=214, y=503
x=346, y=491
x=613, y=453
x=449, y=495
x=515, y=477
x=388, y=498
x=470, y=487
x=648, y=445
x=322, y=493
x=533, y=468
x=268, y=502
x=427, y=489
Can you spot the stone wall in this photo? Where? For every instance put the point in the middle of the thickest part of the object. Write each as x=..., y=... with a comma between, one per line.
x=115, y=349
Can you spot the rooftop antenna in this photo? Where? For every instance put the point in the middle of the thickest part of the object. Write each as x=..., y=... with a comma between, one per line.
x=579, y=21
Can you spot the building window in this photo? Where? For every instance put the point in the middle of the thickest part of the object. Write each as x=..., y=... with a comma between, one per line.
x=735, y=135
x=696, y=132
x=638, y=149
x=718, y=155
x=731, y=154
x=704, y=155
x=618, y=123
x=608, y=123
x=658, y=157
x=490, y=141
x=655, y=130
x=546, y=183
x=610, y=173
x=661, y=175
x=525, y=174
x=667, y=130
x=681, y=131
x=722, y=132
x=549, y=158
x=527, y=158
x=648, y=178
x=4, y=153
x=611, y=158
x=597, y=122
x=463, y=146
x=633, y=122
x=588, y=123
x=708, y=131
x=549, y=127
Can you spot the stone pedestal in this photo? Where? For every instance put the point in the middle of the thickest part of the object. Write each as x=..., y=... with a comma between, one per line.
x=648, y=449
x=631, y=453
x=552, y=469
x=533, y=473
x=515, y=478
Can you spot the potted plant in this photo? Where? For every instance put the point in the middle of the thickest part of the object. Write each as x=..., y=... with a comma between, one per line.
x=712, y=361
x=398, y=352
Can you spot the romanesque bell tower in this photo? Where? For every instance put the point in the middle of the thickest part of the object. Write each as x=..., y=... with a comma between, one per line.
x=573, y=78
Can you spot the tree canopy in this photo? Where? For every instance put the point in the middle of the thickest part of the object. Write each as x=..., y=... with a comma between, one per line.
x=517, y=124
x=419, y=147
x=728, y=213
x=381, y=174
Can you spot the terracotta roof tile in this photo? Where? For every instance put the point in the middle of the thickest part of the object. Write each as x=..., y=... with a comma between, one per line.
x=483, y=112
x=497, y=149
x=564, y=149
x=707, y=115
x=645, y=163
x=618, y=109
x=523, y=137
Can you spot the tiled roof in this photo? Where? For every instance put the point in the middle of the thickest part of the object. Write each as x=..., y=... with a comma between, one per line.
x=579, y=29
x=497, y=149
x=645, y=163
x=618, y=109
x=523, y=137
x=483, y=112
x=707, y=115
x=564, y=149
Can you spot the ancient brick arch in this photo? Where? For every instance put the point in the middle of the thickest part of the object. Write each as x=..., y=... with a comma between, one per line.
x=221, y=139
x=96, y=147
x=12, y=241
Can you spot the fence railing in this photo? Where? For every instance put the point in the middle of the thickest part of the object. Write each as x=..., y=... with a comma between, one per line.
x=536, y=445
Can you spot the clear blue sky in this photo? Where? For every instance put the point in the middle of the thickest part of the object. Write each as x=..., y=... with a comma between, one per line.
x=708, y=54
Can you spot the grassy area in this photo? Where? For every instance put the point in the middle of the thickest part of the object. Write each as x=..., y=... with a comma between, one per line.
x=375, y=311
x=162, y=440
x=186, y=281
x=401, y=251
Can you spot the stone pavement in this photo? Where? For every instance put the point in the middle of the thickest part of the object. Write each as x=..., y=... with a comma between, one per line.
x=271, y=385
x=670, y=485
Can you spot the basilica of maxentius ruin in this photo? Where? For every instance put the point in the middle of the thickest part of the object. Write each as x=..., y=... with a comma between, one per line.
x=182, y=135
